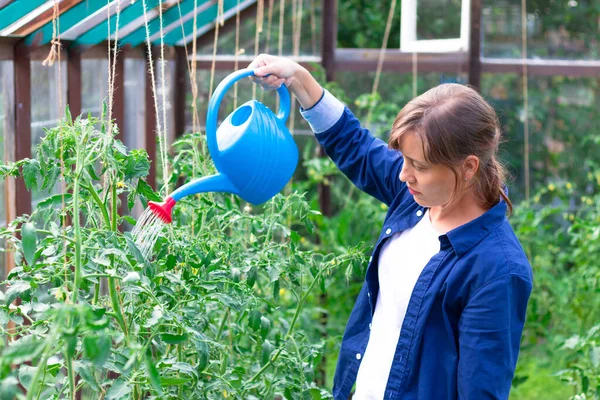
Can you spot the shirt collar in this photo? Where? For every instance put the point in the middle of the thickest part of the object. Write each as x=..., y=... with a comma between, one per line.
x=463, y=238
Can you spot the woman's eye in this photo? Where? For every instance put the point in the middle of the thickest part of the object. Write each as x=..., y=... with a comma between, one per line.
x=417, y=168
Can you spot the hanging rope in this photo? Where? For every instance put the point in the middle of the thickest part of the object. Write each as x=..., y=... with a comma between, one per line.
x=525, y=96
x=281, y=15
x=297, y=29
x=218, y=22
x=260, y=11
x=162, y=139
x=268, y=40
x=154, y=94
x=237, y=53
x=112, y=65
x=386, y=36
x=313, y=26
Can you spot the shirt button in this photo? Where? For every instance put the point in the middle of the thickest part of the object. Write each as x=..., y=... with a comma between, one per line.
x=358, y=356
x=369, y=294
x=369, y=326
x=370, y=258
x=388, y=231
x=419, y=213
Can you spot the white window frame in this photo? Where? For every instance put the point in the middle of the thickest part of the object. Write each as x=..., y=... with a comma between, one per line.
x=408, y=31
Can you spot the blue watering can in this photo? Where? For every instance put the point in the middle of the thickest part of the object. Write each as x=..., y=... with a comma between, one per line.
x=253, y=150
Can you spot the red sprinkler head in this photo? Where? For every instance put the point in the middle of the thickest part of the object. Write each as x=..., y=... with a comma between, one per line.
x=163, y=210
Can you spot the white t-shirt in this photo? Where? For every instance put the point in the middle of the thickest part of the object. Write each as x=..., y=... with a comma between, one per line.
x=401, y=261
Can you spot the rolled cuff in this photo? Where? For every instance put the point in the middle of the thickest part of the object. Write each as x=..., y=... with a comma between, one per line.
x=324, y=114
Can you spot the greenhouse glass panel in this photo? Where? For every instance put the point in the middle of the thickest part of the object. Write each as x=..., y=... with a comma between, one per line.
x=135, y=86
x=94, y=85
x=563, y=120
x=555, y=30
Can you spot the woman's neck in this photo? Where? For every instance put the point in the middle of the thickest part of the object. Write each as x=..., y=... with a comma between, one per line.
x=460, y=211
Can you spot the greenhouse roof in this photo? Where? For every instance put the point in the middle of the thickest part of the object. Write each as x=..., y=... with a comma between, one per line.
x=90, y=22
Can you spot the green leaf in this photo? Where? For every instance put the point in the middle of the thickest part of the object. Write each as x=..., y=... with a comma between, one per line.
x=254, y=320
x=137, y=165
x=315, y=394
x=174, y=381
x=26, y=374
x=203, y=354
x=86, y=373
x=153, y=375
x=173, y=339
x=145, y=190
x=251, y=277
x=97, y=349
x=118, y=390
x=9, y=388
x=267, y=349
x=265, y=326
x=22, y=350
x=54, y=200
x=29, y=241
x=16, y=289
x=31, y=169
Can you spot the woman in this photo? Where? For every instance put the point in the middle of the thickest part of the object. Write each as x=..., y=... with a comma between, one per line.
x=441, y=313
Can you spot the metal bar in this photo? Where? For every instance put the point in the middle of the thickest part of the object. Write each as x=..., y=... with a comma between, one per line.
x=22, y=88
x=573, y=68
x=4, y=3
x=228, y=62
x=141, y=20
x=181, y=72
x=94, y=19
x=475, y=45
x=74, y=82
x=365, y=60
x=40, y=17
x=150, y=126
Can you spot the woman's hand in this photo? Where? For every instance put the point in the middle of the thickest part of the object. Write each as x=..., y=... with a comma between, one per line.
x=285, y=71
x=279, y=70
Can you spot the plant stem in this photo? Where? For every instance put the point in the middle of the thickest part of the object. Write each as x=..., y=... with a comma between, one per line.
x=77, y=232
x=71, y=373
x=99, y=203
x=112, y=287
x=290, y=329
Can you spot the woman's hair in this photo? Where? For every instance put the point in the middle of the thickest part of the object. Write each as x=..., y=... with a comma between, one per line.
x=453, y=122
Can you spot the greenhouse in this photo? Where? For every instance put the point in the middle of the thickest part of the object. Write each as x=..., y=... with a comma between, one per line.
x=300, y=199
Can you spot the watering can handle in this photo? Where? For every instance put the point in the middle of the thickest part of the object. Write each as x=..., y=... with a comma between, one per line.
x=219, y=93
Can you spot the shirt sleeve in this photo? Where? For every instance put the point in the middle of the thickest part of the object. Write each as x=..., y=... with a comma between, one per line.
x=489, y=336
x=366, y=160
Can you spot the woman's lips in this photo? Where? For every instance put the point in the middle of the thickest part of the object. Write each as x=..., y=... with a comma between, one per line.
x=413, y=192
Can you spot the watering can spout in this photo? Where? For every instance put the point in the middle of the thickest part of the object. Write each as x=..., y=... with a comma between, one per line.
x=213, y=183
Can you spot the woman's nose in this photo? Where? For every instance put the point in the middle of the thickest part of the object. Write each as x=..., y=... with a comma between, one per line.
x=404, y=175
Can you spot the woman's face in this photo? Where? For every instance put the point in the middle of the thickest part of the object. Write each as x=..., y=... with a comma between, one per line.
x=431, y=185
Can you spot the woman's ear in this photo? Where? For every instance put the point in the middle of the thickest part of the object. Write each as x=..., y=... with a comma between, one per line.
x=470, y=167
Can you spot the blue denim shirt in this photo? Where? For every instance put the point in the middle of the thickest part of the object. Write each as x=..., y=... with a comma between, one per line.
x=461, y=333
